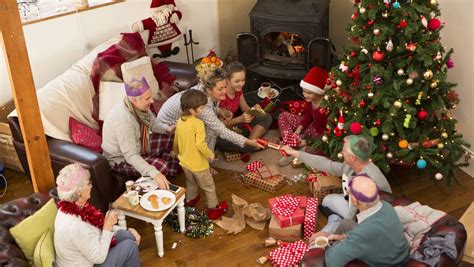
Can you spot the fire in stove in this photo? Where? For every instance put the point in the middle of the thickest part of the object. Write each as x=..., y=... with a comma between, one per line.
x=283, y=44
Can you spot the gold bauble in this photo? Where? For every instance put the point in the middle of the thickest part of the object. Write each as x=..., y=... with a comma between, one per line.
x=434, y=84
x=444, y=135
x=440, y=146
x=434, y=2
x=428, y=75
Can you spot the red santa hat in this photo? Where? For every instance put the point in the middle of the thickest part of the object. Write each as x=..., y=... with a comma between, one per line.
x=161, y=3
x=315, y=80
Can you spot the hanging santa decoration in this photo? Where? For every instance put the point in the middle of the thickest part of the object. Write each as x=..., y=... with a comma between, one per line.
x=159, y=31
x=339, y=129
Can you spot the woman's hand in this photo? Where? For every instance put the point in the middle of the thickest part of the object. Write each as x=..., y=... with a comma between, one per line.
x=336, y=237
x=136, y=235
x=170, y=129
x=290, y=151
x=254, y=143
x=246, y=118
x=316, y=235
x=162, y=181
x=110, y=220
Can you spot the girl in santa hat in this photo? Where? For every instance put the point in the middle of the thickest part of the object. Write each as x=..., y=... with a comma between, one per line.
x=313, y=122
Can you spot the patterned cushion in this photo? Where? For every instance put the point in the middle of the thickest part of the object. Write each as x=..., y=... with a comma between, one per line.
x=296, y=107
x=85, y=136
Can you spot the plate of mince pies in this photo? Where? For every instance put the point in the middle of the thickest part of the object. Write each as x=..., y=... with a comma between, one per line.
x=157, y=200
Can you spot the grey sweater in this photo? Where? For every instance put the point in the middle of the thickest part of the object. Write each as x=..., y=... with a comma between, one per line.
x=121, y=140
x=170, y=112
x=337, y=169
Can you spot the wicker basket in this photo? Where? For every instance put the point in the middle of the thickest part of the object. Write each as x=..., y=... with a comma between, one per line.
x=7, y=151
x=324, y=185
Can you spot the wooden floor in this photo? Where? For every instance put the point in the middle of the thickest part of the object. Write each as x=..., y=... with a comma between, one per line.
x=243, y=249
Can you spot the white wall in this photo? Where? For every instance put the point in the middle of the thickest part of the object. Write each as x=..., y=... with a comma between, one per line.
x=54, y=45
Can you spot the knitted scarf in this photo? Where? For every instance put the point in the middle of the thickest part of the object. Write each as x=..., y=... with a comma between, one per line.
x=144, y=119
x=88, y=214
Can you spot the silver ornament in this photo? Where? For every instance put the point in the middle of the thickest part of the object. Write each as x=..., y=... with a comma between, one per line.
x=324, y=138
x=362, y=10
x=400, y=72
x=409, y=81
x=326, y=97
x=385, y=137
x=370, y=94
x=389, y=155
x=339, y=82
x=340, y=156
x=389, y=46
x=385, y=14
x=397, y=104
x=438, y=176
x=377, y=33
x=365, y=51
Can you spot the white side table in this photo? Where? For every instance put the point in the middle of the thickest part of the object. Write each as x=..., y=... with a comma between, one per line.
x=154, y=217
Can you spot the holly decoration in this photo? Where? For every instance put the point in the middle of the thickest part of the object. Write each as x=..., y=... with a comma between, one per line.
x=398, y=79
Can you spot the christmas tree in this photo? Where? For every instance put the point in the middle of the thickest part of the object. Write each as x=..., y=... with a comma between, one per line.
x=392, y=85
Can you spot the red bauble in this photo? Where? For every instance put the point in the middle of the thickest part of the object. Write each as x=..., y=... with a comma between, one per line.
x=377, y=122
x=353, y=54
x=368, y=86
x=378, y=56
x=362, y=103
x=403, y=24
x=371, y=22
x=422, y=115
x=434, y=24
x=357, y=1
x=355, y=128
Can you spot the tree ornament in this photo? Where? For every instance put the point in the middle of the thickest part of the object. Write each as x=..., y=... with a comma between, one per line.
x=444, y=135
x=438, y=176
x=403, y=144
x=403, y=24
x=409, y=81
x=386, y=1
x=377, y=122
x=413, y=75
x=339, y=129
x=378, y=80
x=376, y=32
x=396, y=5
x=424, y=21
x=434, y=24
x=356, y=128
x=389, y=46
x=385, y=137
x=370, y=95
x=362, y=10
x=353, y=54
x=326, y=97
x=434, y=84
x=400, y=72
x=340, y=156
x=385, y=14
x=371, y=22
x=421, y=164
x=324, y=138
x=450, y=63
x=406, y=122
x=438, y=56
x=440, y=146
x=397, y=104
x=378, y=56
x=338, y=82
x=428, y=75
x=362, y=104
x=410, y=47
x=365, y=51
x=343, y=67
x=418, y=99
x=389, y=155
x=434, y=2
x=357, y=1
x=422, y=115
x=374, y=131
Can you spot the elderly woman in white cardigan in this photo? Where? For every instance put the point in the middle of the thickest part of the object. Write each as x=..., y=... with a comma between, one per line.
x=83, y=235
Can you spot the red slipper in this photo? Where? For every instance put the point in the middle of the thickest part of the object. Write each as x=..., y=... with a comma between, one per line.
x=223, y=205
x=215, y=213
x=245, y=157
x=192, y=202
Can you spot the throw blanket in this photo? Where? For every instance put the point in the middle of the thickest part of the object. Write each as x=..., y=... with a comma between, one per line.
x=107, y=65
x=417, y=220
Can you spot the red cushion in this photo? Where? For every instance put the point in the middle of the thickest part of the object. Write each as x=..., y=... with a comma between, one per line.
x=296, y=107
x=85, y=136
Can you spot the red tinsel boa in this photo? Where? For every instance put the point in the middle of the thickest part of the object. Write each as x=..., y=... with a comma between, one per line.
x=88, y=214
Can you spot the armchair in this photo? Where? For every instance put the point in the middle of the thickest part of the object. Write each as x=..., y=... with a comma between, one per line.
x=107, y=186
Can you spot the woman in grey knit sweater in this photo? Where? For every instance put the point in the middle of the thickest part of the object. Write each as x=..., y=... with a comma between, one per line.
x=213, y=83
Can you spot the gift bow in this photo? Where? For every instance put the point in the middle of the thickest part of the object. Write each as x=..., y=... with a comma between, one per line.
x=285, y=206
x=289, y=255
x=254, y=166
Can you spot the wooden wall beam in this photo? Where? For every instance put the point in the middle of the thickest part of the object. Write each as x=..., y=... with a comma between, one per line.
x=24, y=96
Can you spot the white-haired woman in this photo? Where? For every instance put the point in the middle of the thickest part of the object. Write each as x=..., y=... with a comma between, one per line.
x=83, y=235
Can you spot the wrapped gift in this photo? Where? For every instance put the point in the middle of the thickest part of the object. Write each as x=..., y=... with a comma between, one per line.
x=271, y=185
x=286, y=210
x=322, y=184
x=231, y=156
x=288, y=255
x=268, y=171
x=292, y=233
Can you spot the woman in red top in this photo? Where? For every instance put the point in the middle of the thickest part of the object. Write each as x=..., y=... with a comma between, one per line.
x=230, y=105
x=313, y=122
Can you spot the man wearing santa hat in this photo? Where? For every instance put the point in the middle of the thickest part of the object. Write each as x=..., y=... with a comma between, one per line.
x=160, y=30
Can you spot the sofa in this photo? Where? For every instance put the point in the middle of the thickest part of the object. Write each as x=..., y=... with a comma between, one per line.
x=315, y=257
x=107, y=186
x=12, y=213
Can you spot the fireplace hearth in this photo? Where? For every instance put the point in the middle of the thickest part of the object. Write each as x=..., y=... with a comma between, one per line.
x=287, y=38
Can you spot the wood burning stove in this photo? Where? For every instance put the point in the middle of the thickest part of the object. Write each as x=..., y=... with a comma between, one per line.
x=287, y=38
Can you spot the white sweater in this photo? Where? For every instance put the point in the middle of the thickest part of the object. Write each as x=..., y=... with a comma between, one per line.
x=78, y=243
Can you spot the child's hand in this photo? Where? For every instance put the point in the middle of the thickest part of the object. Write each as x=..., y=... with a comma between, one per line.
x=171, y=129
x=173, y=154
x=246, y=118
x=212, y=157
x=290, y=151
x=299, y=130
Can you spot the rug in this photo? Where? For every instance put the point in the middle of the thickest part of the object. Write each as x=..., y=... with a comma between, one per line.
x=267, y=156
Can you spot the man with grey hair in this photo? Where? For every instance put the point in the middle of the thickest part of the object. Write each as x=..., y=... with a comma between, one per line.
x=377, y=239
x=356, y=151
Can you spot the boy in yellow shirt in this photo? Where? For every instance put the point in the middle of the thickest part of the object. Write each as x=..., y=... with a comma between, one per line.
x=193, y=153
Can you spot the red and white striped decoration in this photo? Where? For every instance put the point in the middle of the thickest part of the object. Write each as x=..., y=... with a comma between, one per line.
x=289, y=255
x=285, y=206
x=254, y=166
x=291, y=139
x=310, y=217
